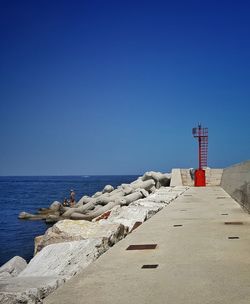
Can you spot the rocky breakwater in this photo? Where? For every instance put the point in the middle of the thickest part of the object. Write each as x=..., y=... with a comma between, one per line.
x=88, y=208
x=81, y=234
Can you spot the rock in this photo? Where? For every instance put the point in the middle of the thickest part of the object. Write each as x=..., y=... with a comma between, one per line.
x=75, y=230
x=127, y=216
x=27, y=290
x=150, y=207
x=84, y=200
x=107, y=189
x=164, y=197
x=152, y=190
x=139, y=179
x=110, y=197
x=5, y=275
x=157, y=185
x=147, y=185
x=97, y=207
x=97, y=194
x=143, y=192
x=53, y=218
x=40, y=216
x=55, y=206
x=127, y=189
x=104, y=199
x=65, y=259
x=142, y=209
x=37, y=241
x=95, y=213
x=14, y=266
x=161, y=179
x=123, y=189
x=81, y=209
x=25, y=215
x=44, y=211
x=140, y=193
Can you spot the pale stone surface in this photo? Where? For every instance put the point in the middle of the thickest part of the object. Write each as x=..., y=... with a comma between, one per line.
x=72, y=230
x=150, y=207
x=55, y=206
x=179, y=189
x=95, y=213
x=165, y=194
x=5, y=275
x=110, y=197
x=84, y=200
x=142, y=209
x=236, y=182
x=97, y=194
x=213, y=177
x=43, y=215
x=187, y=176
x=81, y=208
x=127, y=216
x=37, y=241
x=143, y=184
x=136, y=181
x=107, y=189
x=97, y=207
x=26, y=215
x=165, y=198
x=127, y=188
x=176, y=179
x=14, y=266
x=65, y=259
x=135, y=196
x=27, y=290
x=156, y=201
x=161, y=179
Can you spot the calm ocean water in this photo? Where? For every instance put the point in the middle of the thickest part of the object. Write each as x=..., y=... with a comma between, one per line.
x=30, y=193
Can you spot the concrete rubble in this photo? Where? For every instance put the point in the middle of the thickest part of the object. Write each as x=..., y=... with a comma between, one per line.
x=27, y=290
x=82, y=233
x=65, y=259
x=13, y=267
x=69, y=230
x=142, y=209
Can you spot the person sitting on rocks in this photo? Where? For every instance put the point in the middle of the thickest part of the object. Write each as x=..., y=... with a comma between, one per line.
x=65, y=202
x=72, y=198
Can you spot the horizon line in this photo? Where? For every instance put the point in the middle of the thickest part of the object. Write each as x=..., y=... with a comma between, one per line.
x=78, y=175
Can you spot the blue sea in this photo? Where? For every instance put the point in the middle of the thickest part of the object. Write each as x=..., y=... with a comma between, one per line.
x=31, y=193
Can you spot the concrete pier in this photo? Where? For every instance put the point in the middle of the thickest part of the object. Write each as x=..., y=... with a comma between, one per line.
x=202, y=253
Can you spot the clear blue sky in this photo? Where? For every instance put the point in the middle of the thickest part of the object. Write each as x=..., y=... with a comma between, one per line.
x=115, y=87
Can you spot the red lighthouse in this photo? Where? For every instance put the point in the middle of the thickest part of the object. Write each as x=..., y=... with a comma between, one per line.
x=202, y=135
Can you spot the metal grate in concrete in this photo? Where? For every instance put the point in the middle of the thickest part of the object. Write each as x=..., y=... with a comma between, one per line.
x=142, y=247
x=149, y=266
x=233, y=223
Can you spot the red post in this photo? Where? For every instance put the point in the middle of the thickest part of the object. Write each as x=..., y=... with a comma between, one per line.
x=200, y=178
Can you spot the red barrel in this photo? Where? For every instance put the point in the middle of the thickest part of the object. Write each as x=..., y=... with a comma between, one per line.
x=200, y=178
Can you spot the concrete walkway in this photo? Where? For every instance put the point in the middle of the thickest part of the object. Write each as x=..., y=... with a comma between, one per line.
x=197, y=261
